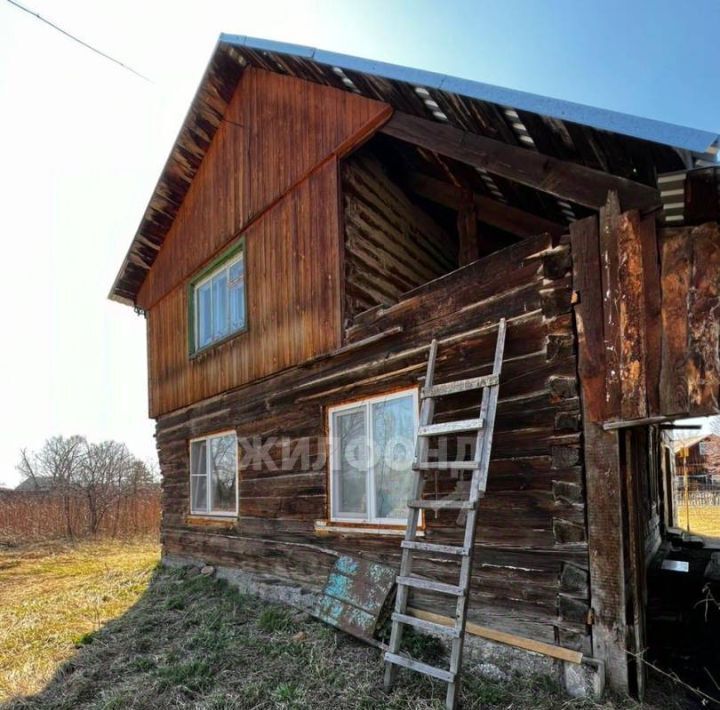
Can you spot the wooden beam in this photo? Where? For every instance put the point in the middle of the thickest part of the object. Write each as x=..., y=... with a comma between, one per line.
x=489, y=211
x=703, y=330
x=587, y=284
x=467, y=232
x=603, y=483
x=631, y=318
x=569, y=181
x=609, y=259
x=546, y=649
x=675, y=283
x=653, y=302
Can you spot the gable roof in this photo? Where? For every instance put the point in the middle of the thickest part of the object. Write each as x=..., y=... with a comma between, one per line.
x=632, y=147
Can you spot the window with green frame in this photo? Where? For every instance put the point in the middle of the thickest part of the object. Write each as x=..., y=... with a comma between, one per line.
x=216, y=300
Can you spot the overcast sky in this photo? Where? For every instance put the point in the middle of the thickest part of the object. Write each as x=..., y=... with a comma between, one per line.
x=84, y=142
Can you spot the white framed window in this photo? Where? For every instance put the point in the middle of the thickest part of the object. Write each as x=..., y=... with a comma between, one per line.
x=218, y=301
x=372, y=446
x=214, y=475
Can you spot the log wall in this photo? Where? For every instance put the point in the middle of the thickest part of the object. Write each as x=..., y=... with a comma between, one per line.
x=391, y=245
x=530, y=575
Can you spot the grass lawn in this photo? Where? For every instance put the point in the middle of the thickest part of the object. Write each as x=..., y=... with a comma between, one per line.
x=99, y=627
x=53, y=595
x=704, y=519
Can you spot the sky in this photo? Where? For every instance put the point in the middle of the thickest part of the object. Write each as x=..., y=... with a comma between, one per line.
x=84, y=142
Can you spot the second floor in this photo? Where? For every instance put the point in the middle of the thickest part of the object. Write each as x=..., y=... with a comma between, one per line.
x=294, y=207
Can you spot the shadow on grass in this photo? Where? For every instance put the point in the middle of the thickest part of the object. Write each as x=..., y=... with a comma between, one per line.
x=195, y=642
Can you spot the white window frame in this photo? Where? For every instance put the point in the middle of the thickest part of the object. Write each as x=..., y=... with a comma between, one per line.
x=208, y=513
x=368, y=517
x=197, y=285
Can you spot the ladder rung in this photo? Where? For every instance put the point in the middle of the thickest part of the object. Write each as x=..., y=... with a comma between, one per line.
x=450, y=427
x=430, y=547
x=412, y=664
x=445, y=465
x=431, y=585
x=442, y=504
x=473, y=383
x=447, y=631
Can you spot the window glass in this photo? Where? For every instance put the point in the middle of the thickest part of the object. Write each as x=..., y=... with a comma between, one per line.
x=373, y=446
x=393, y=424
x=204, y=315
x=351, y=462
x=237, y=295
x=219, y=303
x=223, y=453
x=213, y=474
x=199, y=493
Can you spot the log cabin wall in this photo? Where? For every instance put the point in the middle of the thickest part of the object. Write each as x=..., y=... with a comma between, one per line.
x=270, y=176
x=391, y=244
x=530, y=575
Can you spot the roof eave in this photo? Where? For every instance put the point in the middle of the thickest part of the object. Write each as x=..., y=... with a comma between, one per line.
x=695, y=140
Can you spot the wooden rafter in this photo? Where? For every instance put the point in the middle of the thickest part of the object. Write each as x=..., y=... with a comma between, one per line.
x=560, y=178
x=489, y=211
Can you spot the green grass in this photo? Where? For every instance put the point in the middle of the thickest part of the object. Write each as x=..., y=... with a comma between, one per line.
x=184, y=641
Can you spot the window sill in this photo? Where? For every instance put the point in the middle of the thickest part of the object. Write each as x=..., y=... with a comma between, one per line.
x=208, y=520
x=325, y=527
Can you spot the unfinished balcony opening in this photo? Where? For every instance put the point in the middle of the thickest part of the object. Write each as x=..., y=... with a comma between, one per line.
x=411, y=216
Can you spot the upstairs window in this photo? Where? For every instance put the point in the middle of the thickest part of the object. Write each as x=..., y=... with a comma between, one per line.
x=217, y=301
x=213, y=475
x=372, y=445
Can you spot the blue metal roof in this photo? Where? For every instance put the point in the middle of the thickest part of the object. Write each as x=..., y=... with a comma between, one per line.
x=691, y=139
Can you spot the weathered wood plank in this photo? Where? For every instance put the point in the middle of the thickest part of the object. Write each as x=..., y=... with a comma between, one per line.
x=704, y=321
x=563, y=179
x=653, y=326
x=609, y=262
x=603, y=492
x=391, y=245
x=588, y=314
x=631, y=317
x=489, y=211
x=675, y=279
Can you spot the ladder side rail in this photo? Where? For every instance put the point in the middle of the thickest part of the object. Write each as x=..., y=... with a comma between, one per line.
x=479, y=478
x=427, y=411
x=492, y=406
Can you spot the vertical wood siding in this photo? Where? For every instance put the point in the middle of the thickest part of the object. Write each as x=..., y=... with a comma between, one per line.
x=276, y=130
x=291, y=257
x=391, y=245
x=270, y=175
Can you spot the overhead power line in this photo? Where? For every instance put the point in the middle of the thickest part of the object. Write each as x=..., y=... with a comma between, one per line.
x=76, y=39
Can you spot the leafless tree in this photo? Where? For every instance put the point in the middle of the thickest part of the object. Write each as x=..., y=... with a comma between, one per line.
x=56, y=466
x=102, y=474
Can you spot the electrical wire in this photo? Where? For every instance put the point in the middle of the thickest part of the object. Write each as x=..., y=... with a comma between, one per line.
x=76, y=39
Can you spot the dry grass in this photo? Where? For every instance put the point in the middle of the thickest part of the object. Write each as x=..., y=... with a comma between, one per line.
x=52, y=595
x=41, y=516
x=704, y=519
x=194, y=642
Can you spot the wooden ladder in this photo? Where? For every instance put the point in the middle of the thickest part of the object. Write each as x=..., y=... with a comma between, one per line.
x=483, y=426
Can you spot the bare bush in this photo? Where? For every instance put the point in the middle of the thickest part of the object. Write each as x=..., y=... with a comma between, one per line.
x=75, y=488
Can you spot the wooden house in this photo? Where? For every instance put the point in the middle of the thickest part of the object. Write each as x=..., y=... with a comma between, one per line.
x=319, y=220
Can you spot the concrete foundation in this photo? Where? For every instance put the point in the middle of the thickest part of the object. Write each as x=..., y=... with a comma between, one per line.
x=484, y=658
